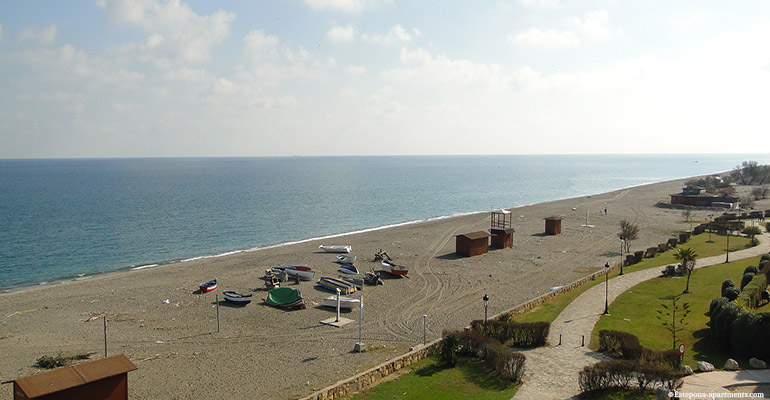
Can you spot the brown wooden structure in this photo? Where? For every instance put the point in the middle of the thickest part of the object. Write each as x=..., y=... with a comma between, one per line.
x=553, y=225
x=472, y=244
x=697, y=197
x=105, y=379
x=501, y=229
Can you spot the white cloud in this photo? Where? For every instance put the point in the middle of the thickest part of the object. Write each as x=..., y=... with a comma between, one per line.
x=43, y=37
x=188, y=75
x=175, y=31
x=595, y=25
x=259, y=45
x=354, y=69
x=541, y=3
x=423, y=69
x=341, y=34
x=352, y=6
x=396, y=35
x=534, y=37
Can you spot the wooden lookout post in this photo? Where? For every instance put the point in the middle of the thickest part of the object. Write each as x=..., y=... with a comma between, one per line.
x=552, y=225
x=105, y=379
x=472, y=244
x=501, y=229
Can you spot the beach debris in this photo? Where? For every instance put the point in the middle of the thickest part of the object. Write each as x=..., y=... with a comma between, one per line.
x=166, y=301
x=158, y=342
x=382, y=255
x=94, y=316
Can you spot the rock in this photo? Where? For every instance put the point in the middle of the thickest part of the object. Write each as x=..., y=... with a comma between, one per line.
x=705, y=367
x=686, y=370
x=757, y=363
x=731, y=365
x=662, y=394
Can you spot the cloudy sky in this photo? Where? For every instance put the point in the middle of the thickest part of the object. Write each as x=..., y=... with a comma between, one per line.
x=147, y=78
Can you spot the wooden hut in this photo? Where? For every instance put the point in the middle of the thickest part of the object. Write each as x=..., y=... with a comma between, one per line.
x=472, y=244
x=105, y=379
x=501, y=229
x=552, y=225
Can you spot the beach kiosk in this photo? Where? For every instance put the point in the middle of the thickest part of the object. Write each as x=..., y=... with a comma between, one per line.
x=105, y=379
x=472, y=244
x=552, y=225
x=501, y=229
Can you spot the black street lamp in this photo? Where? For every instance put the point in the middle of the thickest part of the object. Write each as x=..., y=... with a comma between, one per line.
x=621, y=255
x=606, y=288
x=727, y=249
x=486, y=304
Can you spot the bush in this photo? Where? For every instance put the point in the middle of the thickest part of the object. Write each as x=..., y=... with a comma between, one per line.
x=498, y=357
x=718, y=302
x=449, y=346
x=747, y=277
x=620, y=344
x=526, y=334
x=50, y=362
x=721, y=321
x=743, y=333
x=621, y=374
x=669, y=358
x=751, y=269
x=751, y=295
x=732, y=293
x=765, y=257
x=726, y=284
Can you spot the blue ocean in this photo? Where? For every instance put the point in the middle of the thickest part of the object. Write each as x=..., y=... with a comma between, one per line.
x=67, y=218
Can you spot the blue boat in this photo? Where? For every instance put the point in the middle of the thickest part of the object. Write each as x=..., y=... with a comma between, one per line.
x=333, y=284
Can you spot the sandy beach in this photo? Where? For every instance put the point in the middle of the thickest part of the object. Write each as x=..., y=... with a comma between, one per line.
x=263, y=352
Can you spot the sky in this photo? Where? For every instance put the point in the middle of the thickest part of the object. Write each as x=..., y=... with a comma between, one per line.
x=155, y=78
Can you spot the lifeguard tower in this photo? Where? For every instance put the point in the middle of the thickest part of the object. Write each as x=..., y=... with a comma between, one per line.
x=501, y=229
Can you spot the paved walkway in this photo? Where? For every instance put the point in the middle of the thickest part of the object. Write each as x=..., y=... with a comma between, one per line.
x=552, y=371
x=715, y=382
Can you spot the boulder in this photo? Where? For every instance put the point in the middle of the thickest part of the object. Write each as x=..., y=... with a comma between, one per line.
x=757, y=363
x=686, y=370
x=731, y=365
x=705, y=367
x=663, y=394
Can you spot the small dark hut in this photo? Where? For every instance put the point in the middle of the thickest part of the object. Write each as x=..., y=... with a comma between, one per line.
x=553, y=225
x=501, y=229
x=472, y=244
x=105, y=379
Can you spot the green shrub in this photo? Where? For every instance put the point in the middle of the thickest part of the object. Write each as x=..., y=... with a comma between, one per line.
x=721, y=321
x=747, y=277
x=449, y=346
x=743, y=333
x=751, y=296
x=624, y=373
x=732, y=293
x=765, y=257
x=669, y=358
x=498, y=357
x=525, y=334
x=50, y=362
x=726, y=284
x=718, y=302
x=751, y=268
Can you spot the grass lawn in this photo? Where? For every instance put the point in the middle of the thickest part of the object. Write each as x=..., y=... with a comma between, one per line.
x=635, y=311
x=428, y=379
x=549, y=310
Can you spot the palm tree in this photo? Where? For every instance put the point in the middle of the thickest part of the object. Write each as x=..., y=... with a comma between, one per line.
x=687, y=257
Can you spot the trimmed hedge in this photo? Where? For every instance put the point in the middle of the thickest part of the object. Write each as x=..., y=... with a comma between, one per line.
x=627, y=374
x=727, y=284
x=626, y=346
x=509, y=365
x=747, y=277
x=517, y=334
x=751, y=296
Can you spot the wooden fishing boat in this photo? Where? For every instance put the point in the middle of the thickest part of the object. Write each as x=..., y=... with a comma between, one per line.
x=394, y=269
x=333, y=284
x=349, y=269
x=237, y=298
x=357, y=282
x=345, y=302
x=373, y=278
x=346, y=259
x=301, y=272
x=285, y=297
x=209, y=286
x=336, y=248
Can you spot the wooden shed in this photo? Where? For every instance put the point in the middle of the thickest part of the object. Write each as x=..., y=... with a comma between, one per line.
x=552, y=225
x=472, y=244
x=105, y=379
x=501, y=229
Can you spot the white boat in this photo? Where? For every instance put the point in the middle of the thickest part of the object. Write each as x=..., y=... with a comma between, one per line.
x=237, y=298
x=346, y=259
x=349, y=269
x=345, y=302
x=336, y=248
x=394, y=269
x=301, y=272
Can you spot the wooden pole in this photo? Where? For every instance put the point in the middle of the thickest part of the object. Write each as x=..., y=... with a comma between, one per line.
x=217, y=299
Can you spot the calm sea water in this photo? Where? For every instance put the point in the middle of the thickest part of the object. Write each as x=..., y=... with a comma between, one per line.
x=61, y=219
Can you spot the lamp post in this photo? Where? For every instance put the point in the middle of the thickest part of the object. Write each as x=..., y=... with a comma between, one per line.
x=606, y=288
x=727, y=249
x=711, y=226
x=486, y=304
x=621, y=255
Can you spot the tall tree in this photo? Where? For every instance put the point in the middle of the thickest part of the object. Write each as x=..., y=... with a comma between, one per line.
x=686, y=257
x=628, y=232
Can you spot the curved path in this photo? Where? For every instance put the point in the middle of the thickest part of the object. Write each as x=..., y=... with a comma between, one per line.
x=552, y=371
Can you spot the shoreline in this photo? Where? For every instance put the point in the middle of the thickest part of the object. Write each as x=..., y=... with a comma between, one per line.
x=166, y=263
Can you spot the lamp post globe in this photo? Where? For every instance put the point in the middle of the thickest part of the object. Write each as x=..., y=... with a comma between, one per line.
x=486, y=304
x=621, y=254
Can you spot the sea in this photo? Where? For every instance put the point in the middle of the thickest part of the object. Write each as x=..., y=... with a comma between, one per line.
x=63, y=219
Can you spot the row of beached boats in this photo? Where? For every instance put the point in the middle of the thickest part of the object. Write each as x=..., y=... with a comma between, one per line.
x=230, y=295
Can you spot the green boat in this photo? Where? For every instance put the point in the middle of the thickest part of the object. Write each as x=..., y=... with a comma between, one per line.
x=284, y=297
